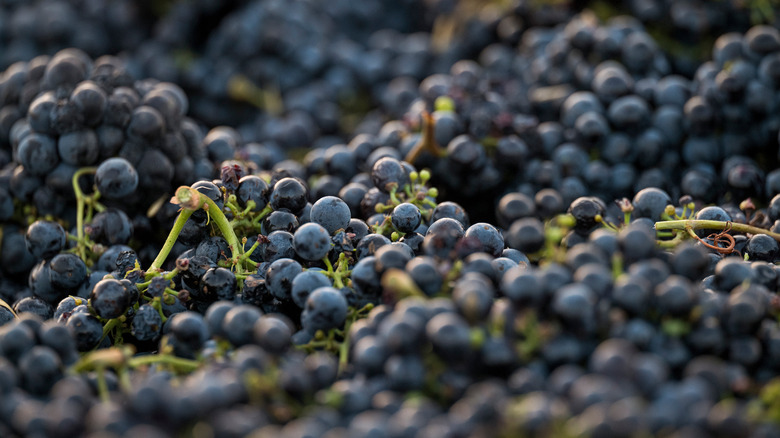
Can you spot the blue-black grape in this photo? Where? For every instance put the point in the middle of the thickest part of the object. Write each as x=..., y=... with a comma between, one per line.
x=116, y=178
x=304, y=283
x=67, y=272
x=280, y=276
x=312, y=241
x=218, y=284
x=110, y=299
x=406, y=217
x=331, y=213
x=289, y=194
x=252, y=188
x=44, y=239
x=325, y=308
x=146, y=324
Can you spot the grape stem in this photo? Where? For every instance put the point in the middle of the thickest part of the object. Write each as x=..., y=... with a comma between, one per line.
x=191, y=200
x=180, y=364
x=81, y=201
x=102, y=384
x=694, y=224
x=170, y=241
x=427, y=141
x=339, y=272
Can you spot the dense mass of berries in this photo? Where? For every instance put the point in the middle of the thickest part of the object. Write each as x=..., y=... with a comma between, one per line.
x=551, y=227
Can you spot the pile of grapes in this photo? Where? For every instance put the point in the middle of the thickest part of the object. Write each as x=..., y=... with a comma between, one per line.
x=389, y=219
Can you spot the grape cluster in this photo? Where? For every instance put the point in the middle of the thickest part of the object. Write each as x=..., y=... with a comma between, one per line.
x=551, y=226
x=44, y=27
x=303, y=64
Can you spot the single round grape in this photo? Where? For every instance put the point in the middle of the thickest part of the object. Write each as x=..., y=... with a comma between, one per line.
x=330, y=212
x=326, y=308
x=406, y=217
x=116, y=178
x=312, y=241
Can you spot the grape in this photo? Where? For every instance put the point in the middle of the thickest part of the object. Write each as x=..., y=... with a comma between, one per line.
x=116, y=178
x=483, y=233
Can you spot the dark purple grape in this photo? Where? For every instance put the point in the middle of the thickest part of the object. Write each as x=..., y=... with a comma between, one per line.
x=279, y=245
x=395, y=256
x=79, y=148
x=44, y=239
x=280, y=276
x=89, y=100
x=425, y=274
x=352, y=194
x=304, y=283
x=273, y=334
x=67, y=272
x=86, y=330
x=711, y=213
x=312, y=241
x=406, y=217
x=116, y=178
x=365, y=279
x=56, y=336
x=650, y=203
x=40, y=368
x=218, y=284
x=190, y=329
x=147, y=323
x=488, y=237
x=280, y=220
x=585, y=210
x=252, y=188
x=331, y=213
x=110, y=299
x=211, y=190
x=289, y=194
x=388, y=173
x=38, y=154
x=111, y=227
x=442, y=236
x=450, y=210
x=34, y=306
x=239, y=323
x=326, y=308
x=762, y=247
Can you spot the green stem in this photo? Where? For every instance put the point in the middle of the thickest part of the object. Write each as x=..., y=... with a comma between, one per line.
x=224, y=227
x=248, y=253
x=263, y=213
x=385, y=227
x=233, y=209
x=80, y=203
x=102, y=385
x=617, y=265
x=393, y=197
x=191, y=200
x=330, y=272
x=124, y=379
x=185, y=365
x=157, y=304
x=429, y=203
x=170, y=241
x=250, y=206
x=344, y=352
x=108, y=327
x=693, y=224
x=672, y=243
x=408, y=191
